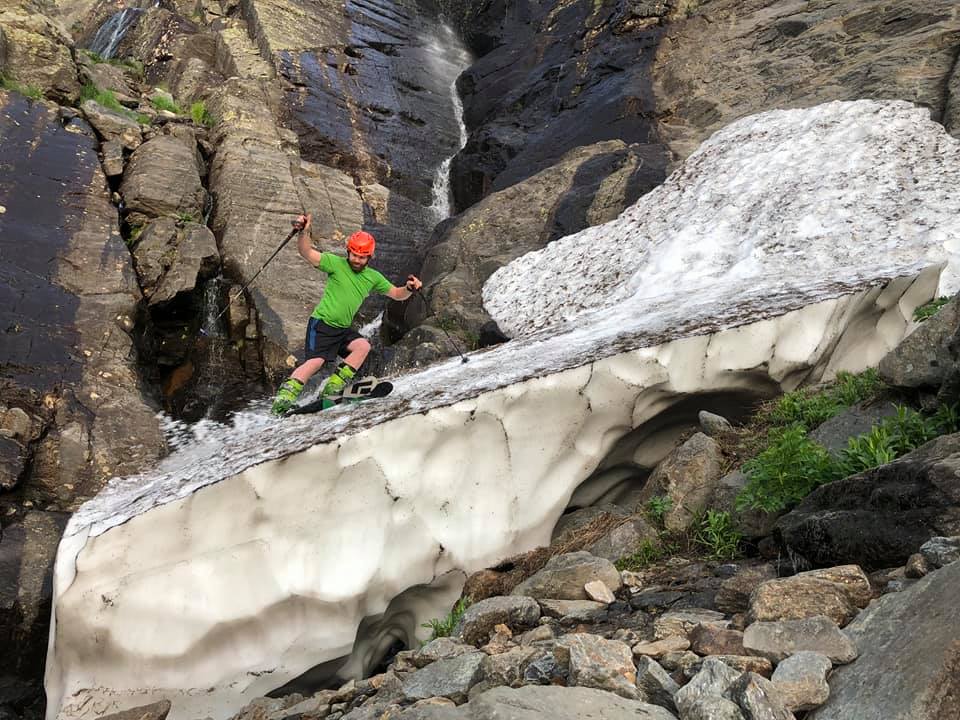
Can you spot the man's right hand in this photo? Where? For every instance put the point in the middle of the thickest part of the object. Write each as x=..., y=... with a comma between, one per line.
x=302, y=223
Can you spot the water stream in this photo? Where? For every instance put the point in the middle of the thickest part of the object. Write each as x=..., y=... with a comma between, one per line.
x=108, y=37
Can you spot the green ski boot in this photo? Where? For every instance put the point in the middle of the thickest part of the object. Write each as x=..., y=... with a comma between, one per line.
x=335, y=385
x=287, y=396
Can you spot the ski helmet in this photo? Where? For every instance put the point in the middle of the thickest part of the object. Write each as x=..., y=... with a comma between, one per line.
x=361, y=243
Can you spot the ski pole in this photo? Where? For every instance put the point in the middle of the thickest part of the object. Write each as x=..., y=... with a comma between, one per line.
x=463, y=358
x=250, y=281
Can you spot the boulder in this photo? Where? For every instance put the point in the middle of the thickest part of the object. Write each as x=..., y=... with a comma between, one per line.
x=835, y=433
x=658, y=648
x=112, y=125
x=741, y=663
x=509, y=668
x=801, y=680
x=734, y=593
x=480, y=619
x=713, y=707
x=688, y=476
x=592, y=661
x=923, y=359
x=777, y=641
x=441, y=648
x=173, y=257
x=573, y=610
x=162, y=178
x=797, y=597
x=713, y=680
x=624, y=539
x=153, y=711
x=712, y=424
x=13, y=460
x=656, y=685
x=451, y=678
x=909, y=664
x=564, y=577
x=708, y=639
x=879, y=517
x=940, y=551
x=758, y=698
x=683, y=622
x=111, y=152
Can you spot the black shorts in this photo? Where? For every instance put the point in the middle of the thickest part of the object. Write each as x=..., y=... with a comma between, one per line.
x=327, y=342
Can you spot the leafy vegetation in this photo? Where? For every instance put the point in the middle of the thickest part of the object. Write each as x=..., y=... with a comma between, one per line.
x=715, y=533
x=200, y=115
x=657, y=508
x=793, y=465
x=162, y=102
x=30, y=91
x=444, y=627
x=647, y=553
x=924, y=312
x=810, y=408
x=132, y=64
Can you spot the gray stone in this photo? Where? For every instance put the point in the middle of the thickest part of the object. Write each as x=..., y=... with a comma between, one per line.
x=682, y=622
x=517, y=613
x=941, y=551
x=592, y=661
x=153, y=711
x=908, y=656
x=564, y=576
x=112, y=125
x=801, y=680
x=712, y=707
x=550, y=702
x=777, y=641
x=741, y=663
x=172, y=257
x=797, y=597
x=713, y=680
x=712, y=424
x=451, y=678
x=442, y=648
x=509, y=668
x=17, y=424
x=758, y=698
x=711, y=640
x=162, y=178
x=655, y=684
x=599, y=592
x=835, y=433
x=13, y=459
x=923, y=358
x=578, y=610
x=112, y=152
x=688, y=476
x=573, y=521
x=623, y=539
x=545, y=670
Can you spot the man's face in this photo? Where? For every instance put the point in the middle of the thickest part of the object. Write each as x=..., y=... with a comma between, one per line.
x=357, y=262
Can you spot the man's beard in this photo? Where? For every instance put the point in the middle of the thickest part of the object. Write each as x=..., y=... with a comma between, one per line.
x=357, y=268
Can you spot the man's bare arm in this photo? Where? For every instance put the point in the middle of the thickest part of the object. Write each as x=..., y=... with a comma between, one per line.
x=406, y=292
x=304, y=244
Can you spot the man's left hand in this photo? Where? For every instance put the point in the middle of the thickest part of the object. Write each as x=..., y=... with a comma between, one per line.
x=413, y=283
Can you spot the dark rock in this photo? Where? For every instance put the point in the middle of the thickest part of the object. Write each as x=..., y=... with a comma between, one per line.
x=710, y=640
x=545, y=670
x=657, y=687
x=923, y=358
x=13, y=459
x=880, y=517
x=941, y=551
x=660, y=600
x=835, y=433
x=734, y=593
x=173, y=257
x=917, y=566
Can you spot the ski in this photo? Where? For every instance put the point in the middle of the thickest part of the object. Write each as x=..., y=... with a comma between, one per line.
x=365, y=389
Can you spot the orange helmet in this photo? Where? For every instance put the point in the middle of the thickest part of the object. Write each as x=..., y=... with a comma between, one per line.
x=361, y=243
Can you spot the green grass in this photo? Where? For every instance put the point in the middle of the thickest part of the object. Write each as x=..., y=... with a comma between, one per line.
x=106, y=98
x=810, y=408
x=162, y=102
x=200, y=115
x=792, y=465
x=657, y=507
x=647, y=553
x=131, y=64
x=925, y=312
x=715, y=534
x=444, y=627
x=30, y=91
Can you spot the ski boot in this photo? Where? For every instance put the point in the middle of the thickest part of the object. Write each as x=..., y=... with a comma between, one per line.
x=287, y=396
x=336, y=384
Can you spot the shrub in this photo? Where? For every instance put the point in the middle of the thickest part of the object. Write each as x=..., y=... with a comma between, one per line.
x=646, y=553
x=200, y=115
x=162, y=102
x=714, y=532
x=444, y=627
x=809, y=408
x=927, y=311
x=657, y=507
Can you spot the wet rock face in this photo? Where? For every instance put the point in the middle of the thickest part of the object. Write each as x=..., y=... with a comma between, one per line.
x=560, y=76
x=733, y=58
x=67, y=295
x=35, y=51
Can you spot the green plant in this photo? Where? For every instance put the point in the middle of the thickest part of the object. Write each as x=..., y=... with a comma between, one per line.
x=927, y=311
x=105, y=98
x=657, y=507
x=714, y=531
x=809, y=408
x=785, y=472
x=200, y=115
x=649, y=551
x=444, y=627
x=162, y=102
x=30, y=91
x=185, y=217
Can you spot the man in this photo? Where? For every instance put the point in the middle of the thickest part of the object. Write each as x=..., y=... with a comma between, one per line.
x=349, y=281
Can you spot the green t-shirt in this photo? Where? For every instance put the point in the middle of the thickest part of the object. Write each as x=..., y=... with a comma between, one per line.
x=345, y=290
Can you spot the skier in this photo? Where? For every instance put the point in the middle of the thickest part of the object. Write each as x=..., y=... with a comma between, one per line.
x=349, y=281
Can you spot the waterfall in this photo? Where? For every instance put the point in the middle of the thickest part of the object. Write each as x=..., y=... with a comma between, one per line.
x=110, y=34
x=209, y=314
x=450, y=58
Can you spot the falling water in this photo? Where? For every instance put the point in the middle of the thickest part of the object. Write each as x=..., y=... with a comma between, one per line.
x=110, y=34
x=450, y=58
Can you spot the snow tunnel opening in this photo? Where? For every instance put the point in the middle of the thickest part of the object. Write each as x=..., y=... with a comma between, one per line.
x=623, y=472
